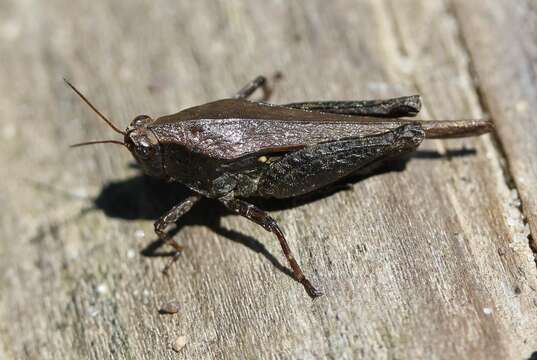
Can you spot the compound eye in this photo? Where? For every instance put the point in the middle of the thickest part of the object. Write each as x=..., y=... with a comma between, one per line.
x=140, y=120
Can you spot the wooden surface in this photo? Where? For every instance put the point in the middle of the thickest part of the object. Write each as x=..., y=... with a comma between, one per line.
x=431, y=262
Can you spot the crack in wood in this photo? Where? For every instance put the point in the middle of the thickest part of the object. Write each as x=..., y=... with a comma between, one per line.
x=497, y=142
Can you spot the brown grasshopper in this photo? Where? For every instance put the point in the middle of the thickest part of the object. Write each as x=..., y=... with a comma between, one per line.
x=233, y=149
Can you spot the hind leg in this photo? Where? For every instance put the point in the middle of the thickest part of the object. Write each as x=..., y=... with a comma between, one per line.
x=317, y=166
x=389, y=108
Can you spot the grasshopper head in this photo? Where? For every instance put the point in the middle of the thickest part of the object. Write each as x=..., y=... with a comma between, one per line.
x=138, y=138
x=144, y=145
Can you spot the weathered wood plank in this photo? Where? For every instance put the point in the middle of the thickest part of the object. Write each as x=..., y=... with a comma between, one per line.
x=430, y=262
x=500, y=39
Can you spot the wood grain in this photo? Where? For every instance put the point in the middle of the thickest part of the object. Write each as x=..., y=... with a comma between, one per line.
x=430, y=262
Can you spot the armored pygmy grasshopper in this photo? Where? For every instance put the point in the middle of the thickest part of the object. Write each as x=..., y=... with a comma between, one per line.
x=233, y=149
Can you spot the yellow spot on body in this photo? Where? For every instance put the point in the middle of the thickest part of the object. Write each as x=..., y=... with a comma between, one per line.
x=262, y=159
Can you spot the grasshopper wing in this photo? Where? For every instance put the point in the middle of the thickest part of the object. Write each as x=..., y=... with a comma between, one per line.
x=233, y=128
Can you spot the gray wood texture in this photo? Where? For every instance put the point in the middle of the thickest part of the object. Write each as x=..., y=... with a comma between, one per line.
x=432, y=262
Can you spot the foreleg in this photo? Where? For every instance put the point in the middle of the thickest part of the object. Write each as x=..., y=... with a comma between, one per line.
x=171, y=217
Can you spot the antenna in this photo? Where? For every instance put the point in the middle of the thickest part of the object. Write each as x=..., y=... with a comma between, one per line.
x=94, y=108
x=98, y=142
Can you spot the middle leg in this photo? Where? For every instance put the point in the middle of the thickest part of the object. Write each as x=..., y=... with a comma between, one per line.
x=258, y=82
x=248, y=89
x=260, y=217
